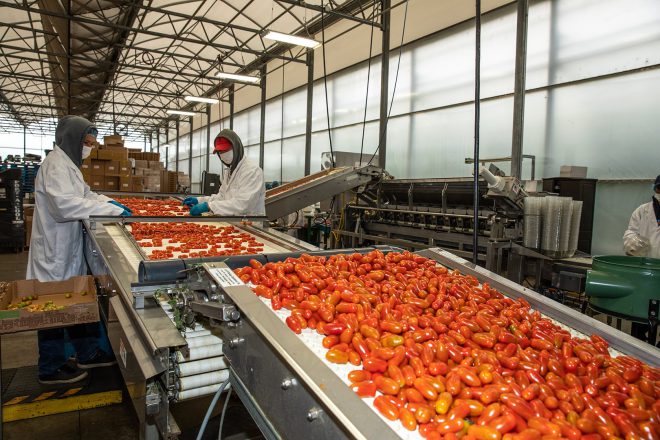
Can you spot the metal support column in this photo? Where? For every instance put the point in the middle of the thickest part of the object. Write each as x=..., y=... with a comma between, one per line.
x=144, y=138
x=310, y=102
x=262, y=129
x=477, y=108
x=190, y=140
x=176, y=156
x=519, y=90
x=24, y=141
x=208, y=136
x=231, y=107
x=384, y=79
x=158, y=140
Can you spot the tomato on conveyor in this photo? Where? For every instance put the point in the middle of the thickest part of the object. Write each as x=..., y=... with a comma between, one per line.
x=163, y=241
x=451, y=358
x=155, y=208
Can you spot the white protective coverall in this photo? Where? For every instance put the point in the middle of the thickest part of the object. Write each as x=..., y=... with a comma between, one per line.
x=644, y=224
x=242, y=190
x=62, y=199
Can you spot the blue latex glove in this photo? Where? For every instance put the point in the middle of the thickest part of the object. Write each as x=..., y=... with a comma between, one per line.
x=126, y=213
x=125, y=208
x=190, y=201
x=199, y=209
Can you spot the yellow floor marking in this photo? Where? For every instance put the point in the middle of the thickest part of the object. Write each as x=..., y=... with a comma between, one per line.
x=44, y=396
x=71, y=392
x=15, y=400
x=33, y=409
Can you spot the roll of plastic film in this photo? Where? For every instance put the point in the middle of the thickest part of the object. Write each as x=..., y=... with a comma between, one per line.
x=196, y=333
x=202, y=366
x=204, y=352
x=196, y=392
x=203, y=380
x=203, y=341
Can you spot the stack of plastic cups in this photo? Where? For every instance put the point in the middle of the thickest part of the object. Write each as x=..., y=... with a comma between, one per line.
x=575, y=227
x=565, y=228
x=533, y=221
x=551, y=226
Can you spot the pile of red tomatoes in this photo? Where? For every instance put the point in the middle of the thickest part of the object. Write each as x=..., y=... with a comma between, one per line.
x=155, y=208
x=452, y=358
x=190, y=240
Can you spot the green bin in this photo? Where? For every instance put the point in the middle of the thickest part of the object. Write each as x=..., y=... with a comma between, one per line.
x=623, y=286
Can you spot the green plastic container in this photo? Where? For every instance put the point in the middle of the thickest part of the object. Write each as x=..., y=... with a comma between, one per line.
x=623, y=285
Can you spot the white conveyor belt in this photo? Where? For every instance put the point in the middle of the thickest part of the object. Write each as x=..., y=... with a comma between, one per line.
x=202, y=366
x=203, y=380
x=196, y=333
x=196, y=392
x=203, y=341
x=200, y=353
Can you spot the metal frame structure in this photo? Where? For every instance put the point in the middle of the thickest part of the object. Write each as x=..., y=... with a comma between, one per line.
x=121, y=64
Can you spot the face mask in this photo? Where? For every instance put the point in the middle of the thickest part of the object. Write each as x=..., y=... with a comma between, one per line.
x=657, y=196
x=227, y=157
x=86, y=152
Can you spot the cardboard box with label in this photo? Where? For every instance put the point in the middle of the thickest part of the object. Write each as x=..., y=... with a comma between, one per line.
x=112, y=168
x=96, y=183
x=125, y=183
x=113, y=154
x=76, y=297
x=98, y=167
x=86, y=164
x=124, y=168
x=111, y=183
x=136, y=184
x=139, y=163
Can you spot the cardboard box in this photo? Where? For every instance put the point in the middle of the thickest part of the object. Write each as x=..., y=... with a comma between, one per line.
x=573, y=171
x=86, y=164
x=125, y=183
x=87, y=174
x=156, y=165
x=96, y=183
x=111, y=183
x=139, y=163
x=113, y=139
x=136, y=184
x=98, y=167
x=78, y=309
x=124, y=168
x=112, y=168
x=113, y=154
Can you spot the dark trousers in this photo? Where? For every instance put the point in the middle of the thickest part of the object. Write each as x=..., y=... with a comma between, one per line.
x=52, y=355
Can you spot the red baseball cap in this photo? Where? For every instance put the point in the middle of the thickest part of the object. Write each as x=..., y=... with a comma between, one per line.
x=221, y=145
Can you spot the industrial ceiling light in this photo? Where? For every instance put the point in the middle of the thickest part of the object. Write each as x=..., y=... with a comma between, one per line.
x=291, y=39
x=180, y=112
x=202, y=99
x=236, y=77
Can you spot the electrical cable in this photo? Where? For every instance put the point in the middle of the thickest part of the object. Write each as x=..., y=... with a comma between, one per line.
x=325, y=82
x=207, y=416
x=396, y=80
x=366, y=98
x=224, y=411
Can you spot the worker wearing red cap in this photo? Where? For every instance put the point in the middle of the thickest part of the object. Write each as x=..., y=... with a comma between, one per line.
x=242, y=190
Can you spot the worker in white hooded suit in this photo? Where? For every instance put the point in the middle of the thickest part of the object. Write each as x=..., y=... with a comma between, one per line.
x=242, y=190
x=642, y=238
x=62, y=200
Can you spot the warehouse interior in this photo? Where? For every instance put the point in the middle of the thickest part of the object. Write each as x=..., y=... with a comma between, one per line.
x=293, y=219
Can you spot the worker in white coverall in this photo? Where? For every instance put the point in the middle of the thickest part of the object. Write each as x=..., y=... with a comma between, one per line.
x=242, y=190
x=62, y=200
x=642, y=238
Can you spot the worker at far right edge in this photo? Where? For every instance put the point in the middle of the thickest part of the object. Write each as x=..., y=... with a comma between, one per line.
x=642, y=238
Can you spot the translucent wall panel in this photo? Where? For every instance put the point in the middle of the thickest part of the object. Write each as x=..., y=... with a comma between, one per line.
x=350, y=138
x=199, y=140
x=293, y=158
x=320, y=144
x=215, y=165
x=254, y=126
x=609, y=125
x=350, y=90
x=295, y=111
x=184, y=146
x=183, y=166
x=241, y=125
x=610, y=224
x=253, y=153
x=273, y=161
x=273, y=128
x=197, y=167
x=319, y=114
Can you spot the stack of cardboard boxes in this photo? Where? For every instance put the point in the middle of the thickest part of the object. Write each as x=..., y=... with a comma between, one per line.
x=147, y=171
x=108, y=168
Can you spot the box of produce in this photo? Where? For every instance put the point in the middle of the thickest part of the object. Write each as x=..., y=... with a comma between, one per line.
x=30, y=304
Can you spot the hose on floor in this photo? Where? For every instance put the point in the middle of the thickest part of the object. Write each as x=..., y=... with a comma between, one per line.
x=214, y=402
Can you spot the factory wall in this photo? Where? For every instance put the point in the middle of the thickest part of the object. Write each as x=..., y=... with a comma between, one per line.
x=593, y=100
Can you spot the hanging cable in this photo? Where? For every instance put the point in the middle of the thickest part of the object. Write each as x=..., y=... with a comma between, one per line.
x=224, y=411
x=325, y=83
x=366, y=98
x=396, y=80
